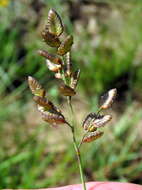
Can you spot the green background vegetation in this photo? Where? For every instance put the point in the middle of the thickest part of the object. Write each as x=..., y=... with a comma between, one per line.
x=108, y=49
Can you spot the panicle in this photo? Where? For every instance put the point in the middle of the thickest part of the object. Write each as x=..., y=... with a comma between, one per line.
x=61, y=65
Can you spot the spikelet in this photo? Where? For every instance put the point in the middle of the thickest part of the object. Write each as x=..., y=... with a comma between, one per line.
x=65, y=46
x=94, y=121
x=109, y=98
x=46, y=104
x=54, y=23
x=87, y=123
x=52, y=58
x=51, y=116
x=92, y=136
x=75, y=78
x=35, y=87
x=68, y=64
x=101, y=120
x=42, y=101
x=53, y=67
x=66, y=90
x=50, y=39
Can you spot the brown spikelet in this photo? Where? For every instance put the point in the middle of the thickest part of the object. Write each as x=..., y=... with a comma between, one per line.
x=48, y=105
x=50, y=57
x=66, y=90
x=51, y=117
x=75, y=79
x=87, y=123
x=101, y=120
x=92, y=136
x=65, y=45
x=94, y=121
x=109, y=98
x=50, y=39
x=35, y=87
x=54, y=23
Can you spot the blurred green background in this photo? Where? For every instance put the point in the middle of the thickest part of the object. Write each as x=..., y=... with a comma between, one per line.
x=108, y=49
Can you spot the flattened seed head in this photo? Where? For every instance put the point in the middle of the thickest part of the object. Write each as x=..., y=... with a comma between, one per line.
x=109, y=98
x=66, y=90
x=54, y=23
x=51, y=57
x=101, y=120
x=50, y=39
x=65, y=46
x=92, y=136
x=88, y=120
x=42, y=101
x=35, y=87
x=53, y=118
x=75, y=78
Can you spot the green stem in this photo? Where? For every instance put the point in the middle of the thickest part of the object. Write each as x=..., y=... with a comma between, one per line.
x=78, y=154
x=79, y=163
x=63, y=77
x=70, y=105
x=100, y=109
x=82, y=140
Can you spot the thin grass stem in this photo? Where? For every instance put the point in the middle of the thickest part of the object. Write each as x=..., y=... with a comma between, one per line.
x=77, y=150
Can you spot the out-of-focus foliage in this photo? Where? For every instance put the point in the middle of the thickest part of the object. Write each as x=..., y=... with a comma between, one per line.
x=108, y=48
